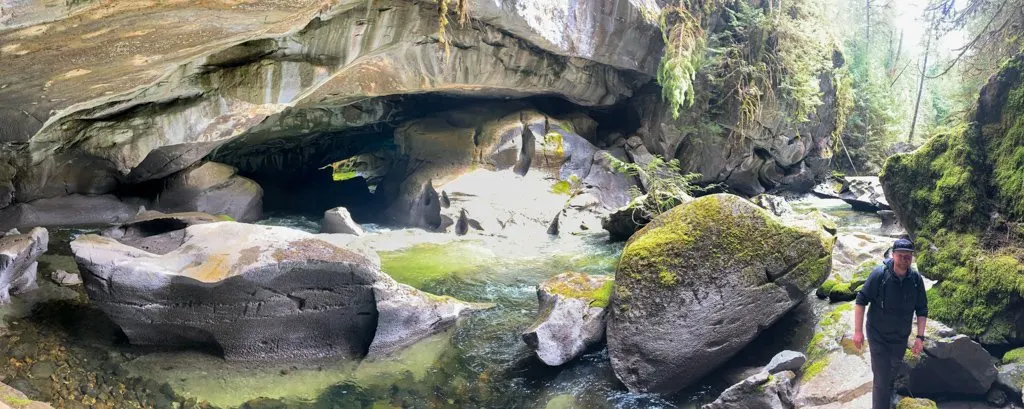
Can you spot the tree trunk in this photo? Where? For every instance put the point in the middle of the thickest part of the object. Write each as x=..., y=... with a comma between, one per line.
x=896, y=57
x=920, y=86
x=867, y=15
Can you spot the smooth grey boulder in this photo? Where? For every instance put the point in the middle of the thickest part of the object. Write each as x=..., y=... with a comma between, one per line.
x=72, y=210
x=786, y=361
x=952, y=365
x=407, y=315
x=252, y=292
x=687, y=284
x=212, y=188
x=18, y=267
x=339, y=220
x=572, y=316
x=611, y=187
x=760, y=391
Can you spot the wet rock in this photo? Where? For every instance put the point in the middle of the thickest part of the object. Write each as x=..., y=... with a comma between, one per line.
x=865, y=193
x=760, y=391
x=212, y=188
x=786, y=361
x=18, y=253
x=612, y=188
x=13, y=396
x=997, y=397
x=72, y=210
x=572, y=316
x=890, y=224
x=254, y=292
x=407, y=315
x=338, y=220
x=687, y=282
x=43, y=369
x=553, y=226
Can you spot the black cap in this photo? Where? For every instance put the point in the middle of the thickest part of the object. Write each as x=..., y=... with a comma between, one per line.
x=903, y=245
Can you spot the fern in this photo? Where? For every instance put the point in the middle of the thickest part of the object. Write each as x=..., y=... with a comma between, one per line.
x=685, y=45
x=667, y=186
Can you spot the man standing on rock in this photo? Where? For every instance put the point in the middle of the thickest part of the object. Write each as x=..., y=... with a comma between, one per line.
x=895, y=292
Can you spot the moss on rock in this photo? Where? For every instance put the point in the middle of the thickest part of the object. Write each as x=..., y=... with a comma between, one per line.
x=597, y=290
x=916, y=403
x=947, y=194
x=1014, y=356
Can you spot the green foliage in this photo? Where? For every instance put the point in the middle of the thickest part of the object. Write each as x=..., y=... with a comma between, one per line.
x=462, y=10
x=773, y=56
x=1015, y=356
x=667, y=186
x=682, y=29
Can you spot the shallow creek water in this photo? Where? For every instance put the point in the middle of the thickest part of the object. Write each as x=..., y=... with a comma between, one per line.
x=60, y=350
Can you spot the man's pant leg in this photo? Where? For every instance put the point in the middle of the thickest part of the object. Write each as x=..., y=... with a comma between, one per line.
x=885, y=360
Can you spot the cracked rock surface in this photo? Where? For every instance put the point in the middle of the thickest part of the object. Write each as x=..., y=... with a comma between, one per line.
x=253, y=292
x=700, y=281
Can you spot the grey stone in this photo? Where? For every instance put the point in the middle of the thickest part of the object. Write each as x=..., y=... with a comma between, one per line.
x=1011, y=377
x=952, y=365
x=257, y=292
x=572, y=316
x=407, y=315
x=786, y=361
x=125, y=120
x=685, y=287
x=72, y=210
x=338, y=220
x=18, y=266
x=212, y=188
x=760, y=391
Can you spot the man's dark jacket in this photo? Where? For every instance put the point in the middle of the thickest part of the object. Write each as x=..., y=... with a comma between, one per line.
x=891, y=315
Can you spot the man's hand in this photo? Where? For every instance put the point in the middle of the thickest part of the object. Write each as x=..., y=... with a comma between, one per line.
x=858, y=340
x=918, y=347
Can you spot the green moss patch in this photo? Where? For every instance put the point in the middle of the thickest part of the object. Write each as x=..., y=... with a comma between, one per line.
x=1015, y=356
x=576, y=285
x=916, y=403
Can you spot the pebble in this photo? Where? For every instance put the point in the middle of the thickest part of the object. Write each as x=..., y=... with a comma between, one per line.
x=43, y=369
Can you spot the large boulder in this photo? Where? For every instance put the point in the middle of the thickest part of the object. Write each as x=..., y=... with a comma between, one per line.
x=960, y=195
x=212, y=188
x=760, y=391
x=953, y=365
x=252, y=292
x=687, y=282
x=572, y=316
x=338, y=220
x=73, y=210
x=18, y=267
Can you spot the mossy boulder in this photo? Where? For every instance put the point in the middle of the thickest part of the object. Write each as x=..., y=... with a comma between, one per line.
x=916, y=403
x=15, y=399
x=700, y=281
x=837, y=289
x=572, y=316
x=962, y=196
